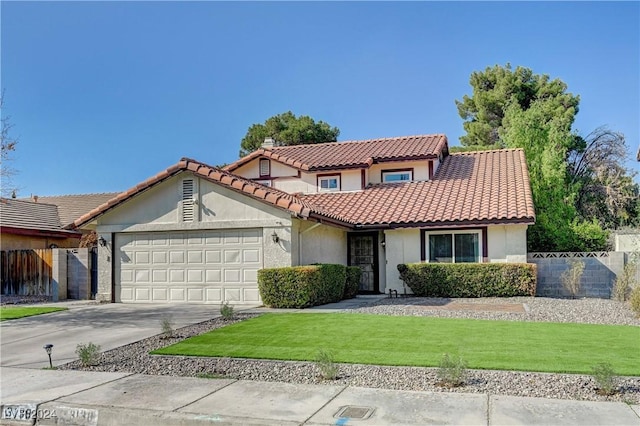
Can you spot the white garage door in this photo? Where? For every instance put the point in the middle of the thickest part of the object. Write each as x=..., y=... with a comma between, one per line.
x=193, y=266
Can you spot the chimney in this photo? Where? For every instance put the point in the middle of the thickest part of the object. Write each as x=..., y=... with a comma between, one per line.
x=268, y=143
x=35, y=198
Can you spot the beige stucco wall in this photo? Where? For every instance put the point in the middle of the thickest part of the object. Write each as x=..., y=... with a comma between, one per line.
x=507, y=243
x=318, y=243
x=627, y=242
x=350, y=180
x=251, y=170
x=420, y=170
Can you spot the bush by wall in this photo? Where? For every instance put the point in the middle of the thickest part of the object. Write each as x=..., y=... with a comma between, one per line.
x=470, y=279
x=353, y=282
x=301, y=286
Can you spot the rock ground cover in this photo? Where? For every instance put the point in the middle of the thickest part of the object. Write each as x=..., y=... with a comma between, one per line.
x=135, y=357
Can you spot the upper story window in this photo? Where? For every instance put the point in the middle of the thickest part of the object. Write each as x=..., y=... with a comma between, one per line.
x=328, y=183
x=266, y=182
x=397, y=175
x=265, y=167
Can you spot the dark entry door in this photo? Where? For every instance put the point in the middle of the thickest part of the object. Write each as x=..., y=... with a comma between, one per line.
x=363, y=252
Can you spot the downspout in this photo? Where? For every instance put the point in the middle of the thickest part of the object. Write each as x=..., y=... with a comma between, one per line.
x=300, y=241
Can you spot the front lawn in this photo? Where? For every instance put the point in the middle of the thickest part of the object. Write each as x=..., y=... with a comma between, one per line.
x=15, y=312
x=421, y=341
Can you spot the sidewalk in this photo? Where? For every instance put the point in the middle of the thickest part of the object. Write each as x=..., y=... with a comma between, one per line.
x=95, y=398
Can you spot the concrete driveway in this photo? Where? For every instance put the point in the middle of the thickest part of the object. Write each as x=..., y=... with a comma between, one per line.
x=108, y=325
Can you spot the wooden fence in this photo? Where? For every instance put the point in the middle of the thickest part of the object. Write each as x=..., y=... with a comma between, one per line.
x=26, y=272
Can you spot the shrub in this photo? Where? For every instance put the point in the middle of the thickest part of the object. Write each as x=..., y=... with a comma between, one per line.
x=327, y=368
x=635, y=300
x=626, y=281
x=166, y=323
x=470, y=279
x=605, y=378
x=301, y=286
x=571, y=277
x=226, y=311
x=89, y=353
x=353, y=282
x=451, y=371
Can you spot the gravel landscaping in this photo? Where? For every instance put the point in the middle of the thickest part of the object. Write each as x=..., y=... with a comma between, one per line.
x=135, y=357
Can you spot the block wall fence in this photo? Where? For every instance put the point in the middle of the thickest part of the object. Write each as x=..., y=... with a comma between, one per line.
x=600, y=272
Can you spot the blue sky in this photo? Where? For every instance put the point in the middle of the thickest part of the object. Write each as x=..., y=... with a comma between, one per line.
x=104, y=95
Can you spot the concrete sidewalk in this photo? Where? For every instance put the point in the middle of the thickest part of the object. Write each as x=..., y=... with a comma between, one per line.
x=95, y=398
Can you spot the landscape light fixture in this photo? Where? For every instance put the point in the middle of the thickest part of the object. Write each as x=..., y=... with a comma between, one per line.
x=49, y=347
x=275, y=237
x=102, y=241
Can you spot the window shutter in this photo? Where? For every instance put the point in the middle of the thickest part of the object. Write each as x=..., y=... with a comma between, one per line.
x=188, y=208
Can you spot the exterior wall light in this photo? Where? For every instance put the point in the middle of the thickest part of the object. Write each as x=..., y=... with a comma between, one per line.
x=102, y=241
x=275, y=237
x=49, y=347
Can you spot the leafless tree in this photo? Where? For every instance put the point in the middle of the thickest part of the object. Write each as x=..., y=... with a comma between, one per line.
x=7, y=146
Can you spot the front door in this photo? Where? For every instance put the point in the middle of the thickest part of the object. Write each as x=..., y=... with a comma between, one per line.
x=363, y=252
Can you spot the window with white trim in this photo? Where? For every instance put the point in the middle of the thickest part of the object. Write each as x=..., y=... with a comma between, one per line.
x=397, y=176
x=265, y=167
x=329, y=183
x=453, y=247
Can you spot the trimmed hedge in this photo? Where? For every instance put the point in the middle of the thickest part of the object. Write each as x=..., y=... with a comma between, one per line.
x=301, y=286
x=353, y=282
x=470, y=279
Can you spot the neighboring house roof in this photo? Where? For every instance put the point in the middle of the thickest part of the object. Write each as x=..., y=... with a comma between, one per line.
x=27, y=217
x=351, y=154
x=71, y=207
x=255, y=190
x=469, y=188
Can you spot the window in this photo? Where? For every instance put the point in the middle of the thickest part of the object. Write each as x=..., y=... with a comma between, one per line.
x=328, y=183
x=454, y=247
x=265, y=167
x=397, y=175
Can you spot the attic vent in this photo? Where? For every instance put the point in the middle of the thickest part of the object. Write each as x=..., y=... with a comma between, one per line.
x=188, y=208
x=265, y=167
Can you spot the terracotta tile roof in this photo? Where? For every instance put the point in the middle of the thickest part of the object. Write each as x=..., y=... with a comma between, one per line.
x=468, y=188
x=351, y=154
x=71, y=207
x=213, y=174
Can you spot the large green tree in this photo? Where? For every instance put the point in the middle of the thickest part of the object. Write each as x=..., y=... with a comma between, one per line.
x=498, y=87
x=520, y=109
x=287, y=129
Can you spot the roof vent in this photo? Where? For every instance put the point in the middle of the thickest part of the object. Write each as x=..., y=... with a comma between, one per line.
x=268, y=143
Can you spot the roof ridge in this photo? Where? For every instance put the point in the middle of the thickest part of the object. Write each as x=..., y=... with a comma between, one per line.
x=485, y=151
x=354, y=141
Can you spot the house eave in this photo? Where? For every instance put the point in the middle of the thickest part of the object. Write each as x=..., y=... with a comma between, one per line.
x=44, y=233
x=446, y=224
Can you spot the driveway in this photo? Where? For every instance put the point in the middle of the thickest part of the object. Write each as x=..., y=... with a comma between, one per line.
x=108, y=325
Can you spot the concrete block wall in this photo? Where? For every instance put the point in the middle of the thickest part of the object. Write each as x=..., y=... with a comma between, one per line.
x=59, y=275
x=600, y=272
x=79, y=274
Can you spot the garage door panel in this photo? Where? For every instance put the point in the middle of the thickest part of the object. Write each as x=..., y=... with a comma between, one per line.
x=194, y=276
x=251, y=295
x=159, y=294
x=214, y=295
x=214, y=275
x=142, y=294
x=232, y=256
x=195, y=295
x=177, y=294
x=190, y=266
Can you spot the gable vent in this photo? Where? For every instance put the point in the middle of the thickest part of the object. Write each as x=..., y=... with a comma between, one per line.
x=188, y=208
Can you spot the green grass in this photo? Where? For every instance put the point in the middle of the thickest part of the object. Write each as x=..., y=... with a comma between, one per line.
x=421, y=341
x=15, y=312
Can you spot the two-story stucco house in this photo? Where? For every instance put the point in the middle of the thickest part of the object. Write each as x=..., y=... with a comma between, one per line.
x=197, y=233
